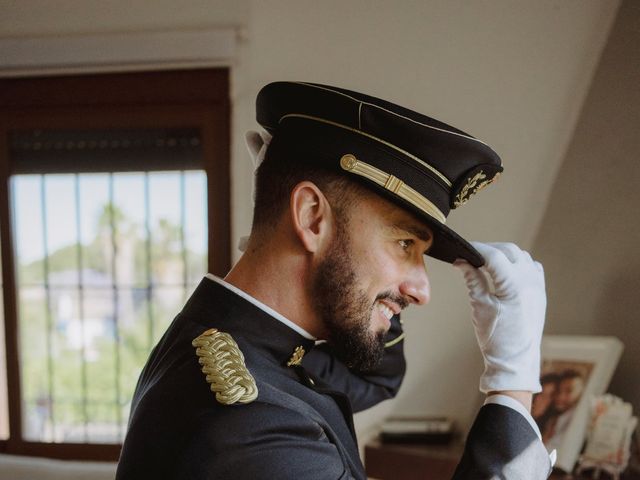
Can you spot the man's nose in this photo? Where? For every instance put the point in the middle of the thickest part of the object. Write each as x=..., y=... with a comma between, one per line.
x=416, y=286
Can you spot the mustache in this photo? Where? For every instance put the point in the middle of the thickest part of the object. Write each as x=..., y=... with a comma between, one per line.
x=401, y=301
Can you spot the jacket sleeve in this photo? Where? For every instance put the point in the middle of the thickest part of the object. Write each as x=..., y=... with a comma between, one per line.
x=260, y=441
x=364, y=389
x=502, y=444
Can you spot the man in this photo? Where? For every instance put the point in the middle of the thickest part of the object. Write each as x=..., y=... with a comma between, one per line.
x=570, y=385
x=543, y=400
x=351, y=194
x=542, y=405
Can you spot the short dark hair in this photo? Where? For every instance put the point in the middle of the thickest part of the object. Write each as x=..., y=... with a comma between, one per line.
x=277, y=176
x=570, y=374
x=551, y=377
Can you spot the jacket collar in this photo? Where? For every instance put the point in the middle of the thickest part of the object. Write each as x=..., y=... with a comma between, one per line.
x=213, y=305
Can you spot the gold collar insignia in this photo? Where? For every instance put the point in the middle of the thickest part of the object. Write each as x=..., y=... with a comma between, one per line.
x=296, y=358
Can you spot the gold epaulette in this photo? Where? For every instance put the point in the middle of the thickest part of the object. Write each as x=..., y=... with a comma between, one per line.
x=223, y=364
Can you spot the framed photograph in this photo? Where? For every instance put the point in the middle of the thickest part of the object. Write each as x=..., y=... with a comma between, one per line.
x=573, y=369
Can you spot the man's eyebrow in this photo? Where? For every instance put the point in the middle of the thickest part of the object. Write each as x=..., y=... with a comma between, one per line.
x=422, y=233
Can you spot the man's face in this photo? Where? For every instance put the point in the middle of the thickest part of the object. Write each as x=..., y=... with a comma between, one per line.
x=568, y=393
x=373, y=268
x=542, y=400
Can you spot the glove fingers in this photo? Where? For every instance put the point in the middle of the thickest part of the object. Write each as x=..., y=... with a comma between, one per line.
x=497, y=264
x=511, y=251
x=522, y=261
x=475, y=280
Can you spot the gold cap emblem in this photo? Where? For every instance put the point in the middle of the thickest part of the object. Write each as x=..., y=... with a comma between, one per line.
x=296, y=358
x=348, y=162
x=474, y=185
x=223, y=364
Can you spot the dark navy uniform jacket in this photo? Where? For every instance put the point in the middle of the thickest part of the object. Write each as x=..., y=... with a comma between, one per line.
x=300, y=426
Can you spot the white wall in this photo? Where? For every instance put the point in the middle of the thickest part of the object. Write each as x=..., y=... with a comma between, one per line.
x=590, y=234
x=513, y=73
x=63, y=17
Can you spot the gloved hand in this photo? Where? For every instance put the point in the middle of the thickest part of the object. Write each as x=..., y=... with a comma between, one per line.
x=509, y=317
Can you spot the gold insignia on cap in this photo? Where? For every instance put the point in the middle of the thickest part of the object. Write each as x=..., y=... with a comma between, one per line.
x=348, y=162
x=473, y=186
x=296, y=358
x=223, y=364
x=351, y=164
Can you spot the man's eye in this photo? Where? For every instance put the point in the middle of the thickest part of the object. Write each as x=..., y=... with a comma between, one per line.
x=405, y=244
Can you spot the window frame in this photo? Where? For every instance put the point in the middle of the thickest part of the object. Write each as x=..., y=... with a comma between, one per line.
x=169, y=99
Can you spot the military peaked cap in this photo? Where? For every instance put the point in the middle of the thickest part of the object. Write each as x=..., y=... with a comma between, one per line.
x=420, y=163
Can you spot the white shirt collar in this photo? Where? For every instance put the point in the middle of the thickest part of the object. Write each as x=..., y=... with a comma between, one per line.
x=262, y=306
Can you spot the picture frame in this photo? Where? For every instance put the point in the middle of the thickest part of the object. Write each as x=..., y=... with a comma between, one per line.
x=573, y=369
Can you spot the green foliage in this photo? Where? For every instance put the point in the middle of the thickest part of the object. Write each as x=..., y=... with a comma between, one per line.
x=96, y=389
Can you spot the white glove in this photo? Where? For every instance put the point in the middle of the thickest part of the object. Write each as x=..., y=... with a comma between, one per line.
x=508, y=320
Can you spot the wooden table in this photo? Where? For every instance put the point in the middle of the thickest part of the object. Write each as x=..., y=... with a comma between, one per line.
x=411, y=462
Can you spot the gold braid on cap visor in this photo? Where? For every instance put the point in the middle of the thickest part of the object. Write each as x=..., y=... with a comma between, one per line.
x=396, y=186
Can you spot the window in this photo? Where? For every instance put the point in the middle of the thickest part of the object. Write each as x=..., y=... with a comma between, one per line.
x=116, y=205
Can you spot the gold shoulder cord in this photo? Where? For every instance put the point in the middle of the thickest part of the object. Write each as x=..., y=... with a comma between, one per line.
x=223, y=364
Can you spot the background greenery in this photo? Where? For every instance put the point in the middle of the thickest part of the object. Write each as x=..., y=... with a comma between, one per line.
x=82, y=392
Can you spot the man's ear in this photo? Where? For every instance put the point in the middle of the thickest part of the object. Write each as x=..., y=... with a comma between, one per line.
x=311, y=216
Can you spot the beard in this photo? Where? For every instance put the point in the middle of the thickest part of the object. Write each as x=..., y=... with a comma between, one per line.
x=344, y=309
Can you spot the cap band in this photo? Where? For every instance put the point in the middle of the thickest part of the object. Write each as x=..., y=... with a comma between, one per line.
x=444, y=179
x=351, y=164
